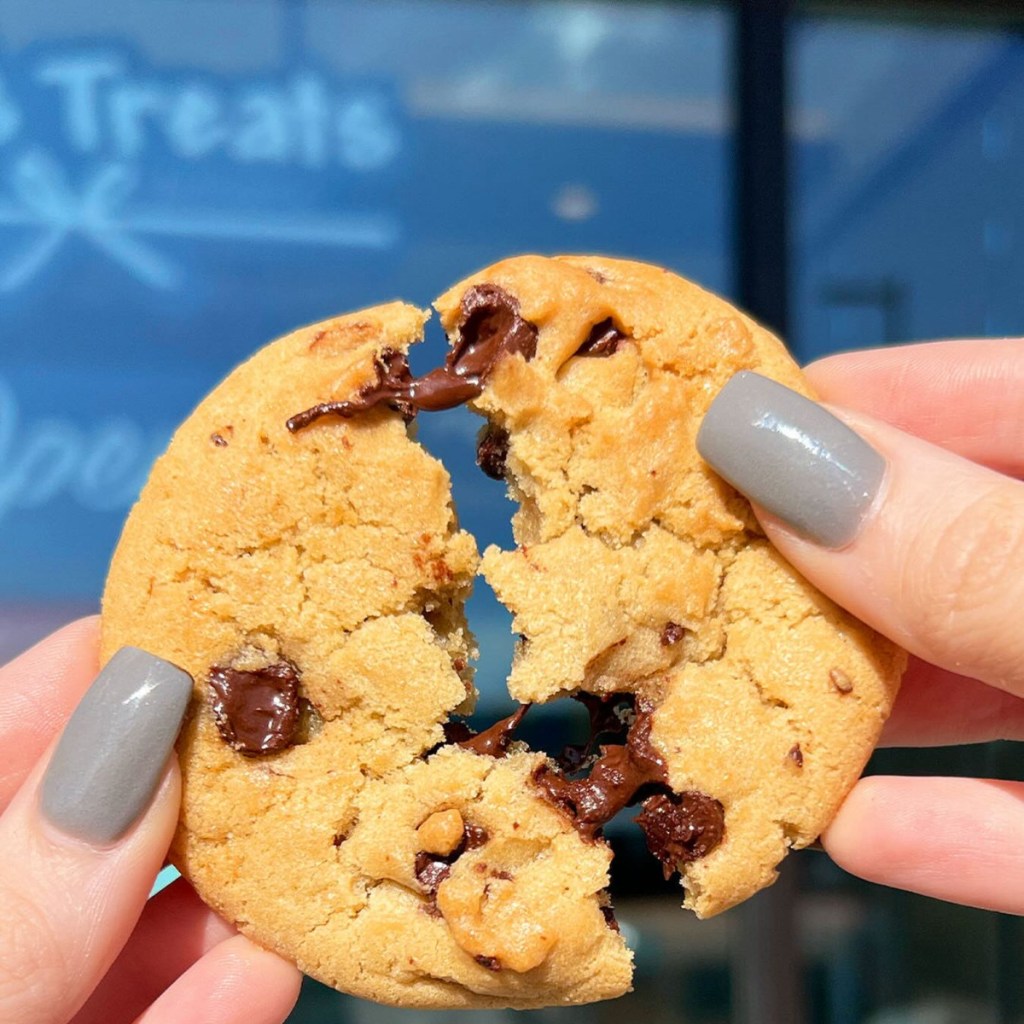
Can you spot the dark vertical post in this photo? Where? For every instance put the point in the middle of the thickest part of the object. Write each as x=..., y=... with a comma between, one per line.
x=766, y=950
x=761, y=160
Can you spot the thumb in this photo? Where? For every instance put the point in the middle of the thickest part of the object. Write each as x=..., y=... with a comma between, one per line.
x=925, y=546
x=84, y=837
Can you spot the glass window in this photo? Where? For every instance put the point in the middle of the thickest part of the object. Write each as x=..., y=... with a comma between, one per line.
x=908, y=216
x=182, y=181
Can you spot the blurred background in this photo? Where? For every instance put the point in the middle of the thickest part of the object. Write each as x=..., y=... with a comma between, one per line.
x=181, y=180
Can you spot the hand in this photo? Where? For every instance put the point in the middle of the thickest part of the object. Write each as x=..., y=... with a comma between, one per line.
x=905, y=511
x=84, y=828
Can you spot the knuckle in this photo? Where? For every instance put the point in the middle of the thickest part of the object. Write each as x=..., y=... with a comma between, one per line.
x=32, y=968
x=971, y=587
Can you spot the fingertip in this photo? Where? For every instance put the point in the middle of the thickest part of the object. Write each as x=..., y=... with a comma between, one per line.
x=951, y=838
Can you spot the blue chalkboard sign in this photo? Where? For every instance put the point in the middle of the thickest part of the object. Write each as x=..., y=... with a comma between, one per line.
x=179, y=183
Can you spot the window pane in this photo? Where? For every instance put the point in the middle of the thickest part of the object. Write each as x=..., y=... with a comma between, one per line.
x=908, y=206
x=908, y=212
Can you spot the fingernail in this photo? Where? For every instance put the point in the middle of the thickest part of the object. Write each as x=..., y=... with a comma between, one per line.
x=111, y=755
x=792, y=457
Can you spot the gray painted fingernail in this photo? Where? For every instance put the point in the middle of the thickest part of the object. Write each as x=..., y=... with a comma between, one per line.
x=792, y=457
x=111, y=755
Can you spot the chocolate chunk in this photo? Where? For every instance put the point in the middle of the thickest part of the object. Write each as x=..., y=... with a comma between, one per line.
x=609, y=918
x=840, y=680
x=256, y=712
x=680, y=828
x=473, y=837
x=604, y=340
x=672, y=634
x=490, y=329
x=492, y=451
x=796, y=755
x=432, y=870
x=492, y=963
x=495, y=740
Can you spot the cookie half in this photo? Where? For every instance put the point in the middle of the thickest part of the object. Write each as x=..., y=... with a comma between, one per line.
x=640, y=573
x=312, y=583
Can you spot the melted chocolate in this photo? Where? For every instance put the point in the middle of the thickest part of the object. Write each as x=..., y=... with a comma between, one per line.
x=672, y=634
x=618, y=774
x=492, y=451
x=490, y=329
x=604, y=339
x=493, y=741
x=256, y=712
x=680, y=828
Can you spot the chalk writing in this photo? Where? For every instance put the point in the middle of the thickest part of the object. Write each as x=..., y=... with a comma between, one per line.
x=101, y=469
x=108, y=110
x=105, y=106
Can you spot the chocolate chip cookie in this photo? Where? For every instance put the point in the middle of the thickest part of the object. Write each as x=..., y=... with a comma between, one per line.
x=297, y=552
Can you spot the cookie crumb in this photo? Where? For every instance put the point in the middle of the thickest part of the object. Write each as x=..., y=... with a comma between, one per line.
x=840, y=680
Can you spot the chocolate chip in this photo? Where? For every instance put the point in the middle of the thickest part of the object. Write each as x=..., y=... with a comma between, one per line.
x=672, y=634
x=339, y=838
x=596, y=275
x=256, y=712
x=840, y=680
x=680, y=828
x=505, y=876
x=604, y=340
x=609, y=918
x=432, y=870
x=219, y=440
x=473, y=837
x=492, y=963
x=492, y=452
x=796, y=755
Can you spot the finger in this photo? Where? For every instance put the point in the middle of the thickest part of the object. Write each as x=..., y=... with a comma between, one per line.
x=84, y=838
x=955, y=839
x=175, y=930
x=40, y=688
x=966, y=396
x=921, y=544
x=235, y=983
x=936, y=707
